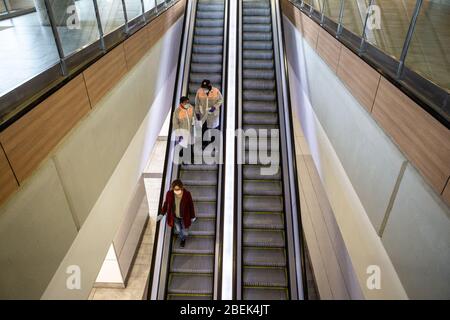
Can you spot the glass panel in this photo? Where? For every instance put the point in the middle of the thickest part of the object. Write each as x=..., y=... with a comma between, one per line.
x=149, y=5
x=316, y=4
x=2, y=7
x=429, y=52
x=134, y=9
x=20, y=5
x=395, y=17
x=159, y=2
x=111, y=15
x=331, y=9
x=75, y=21
x=354, y=15
x=27, y=48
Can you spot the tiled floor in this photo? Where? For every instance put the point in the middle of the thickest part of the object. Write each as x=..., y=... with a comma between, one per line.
x=139, y=276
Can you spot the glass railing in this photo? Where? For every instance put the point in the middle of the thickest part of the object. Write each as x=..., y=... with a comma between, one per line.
x=56, y=39
x=408, y=40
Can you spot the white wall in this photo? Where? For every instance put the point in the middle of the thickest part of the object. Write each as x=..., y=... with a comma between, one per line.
x=361, y=169
x=86, y=184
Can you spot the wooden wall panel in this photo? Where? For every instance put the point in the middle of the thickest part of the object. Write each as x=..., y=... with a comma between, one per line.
x=136, y=47
x=8, y=183
x=359, y=77
x=310, y=30
x=329, y=49
x=289, y=10
x=422, y=138
x=30, y=139
x=103, y=75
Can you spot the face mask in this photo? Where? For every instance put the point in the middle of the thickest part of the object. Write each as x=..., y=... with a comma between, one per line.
x=178, y=192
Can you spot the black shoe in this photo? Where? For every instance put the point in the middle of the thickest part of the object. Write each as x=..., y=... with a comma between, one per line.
x=182, y=243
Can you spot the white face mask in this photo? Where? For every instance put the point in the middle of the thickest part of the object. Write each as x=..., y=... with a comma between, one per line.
x=178, y=192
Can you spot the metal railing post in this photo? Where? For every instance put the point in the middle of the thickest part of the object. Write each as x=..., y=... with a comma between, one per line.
x=6, y=7
x=58, y=42
x=341, y=17
x=143, y=11
x=362, y=46
x=322, y=15
x=99, y=25
x=408, y=38
x=156, y=6
x=125, y=14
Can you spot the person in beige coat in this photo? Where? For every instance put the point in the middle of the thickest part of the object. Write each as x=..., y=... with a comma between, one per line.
x=208, y=102
x=183, y=122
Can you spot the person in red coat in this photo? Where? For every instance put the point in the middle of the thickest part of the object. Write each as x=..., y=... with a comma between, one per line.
x=179, y=208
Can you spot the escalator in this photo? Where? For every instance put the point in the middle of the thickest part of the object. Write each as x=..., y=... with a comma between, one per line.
x=191, y=272
x=266, y=241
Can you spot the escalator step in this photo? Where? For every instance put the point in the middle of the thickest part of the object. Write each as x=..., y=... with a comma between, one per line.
x=208, y=31
x=255, y=4
x=206, y=67
x=264, y=277
x=197, y=167
x=257, y=28
x=207, y=49
x=262, y=188
x=188, y=297
x=259, y=84
x=208, y=23
x=205, y=209
x=256, y=11
x=199, y=178
x=207, y=58
x=210, y=7
x=258, y=64
x=257, y=45
x=270, y=257
x=262, y=144
x=262, y=204
x=194, y=245
x=258, y=54
x=260, y=118
x=259, y=106
x=259, y=95
x=259, y=74
x=257, y=36
x=252, y=172
x=257, y=220
x=256, y=20
x=209, y=15
x=202, y=193
x=190, y=284
x=265, y=294
x=263, y=238
x=255, y=126
x=208, y=40
x=199, y=77
x=203, y=227
x=192, y=263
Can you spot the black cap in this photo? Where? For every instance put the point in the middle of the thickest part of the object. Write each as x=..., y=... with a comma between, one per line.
x=184, y=99
x=206, y=84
